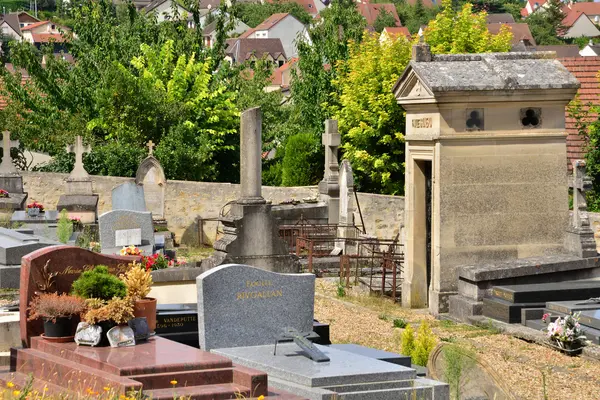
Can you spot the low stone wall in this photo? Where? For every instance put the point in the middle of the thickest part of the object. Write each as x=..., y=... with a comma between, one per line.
x=187, y=201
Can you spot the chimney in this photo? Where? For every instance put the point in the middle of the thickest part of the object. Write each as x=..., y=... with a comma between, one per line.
x=421, y=52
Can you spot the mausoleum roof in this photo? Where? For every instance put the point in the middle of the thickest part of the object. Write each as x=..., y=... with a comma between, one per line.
x=491, y=71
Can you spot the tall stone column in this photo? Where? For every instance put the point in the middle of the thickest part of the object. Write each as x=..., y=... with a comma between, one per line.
x=251, y=157
x=329, y=187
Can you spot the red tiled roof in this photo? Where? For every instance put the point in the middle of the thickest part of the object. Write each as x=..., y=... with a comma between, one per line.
x=35, y=25
x=571, y=18
x=47, y=37
x=277, y=76
x=523, y=12
x=587, y=8
x=586, y=71
x=371, y=11
x=396, y=31
x=271, y=21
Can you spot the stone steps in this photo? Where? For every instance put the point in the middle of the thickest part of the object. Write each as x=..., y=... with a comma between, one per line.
x=185, y=378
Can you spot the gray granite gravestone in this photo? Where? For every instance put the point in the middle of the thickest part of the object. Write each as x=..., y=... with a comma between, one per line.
x=151, y=176
x=13, y=246
x=239, y=305
x=128, y=196
x=113, y=223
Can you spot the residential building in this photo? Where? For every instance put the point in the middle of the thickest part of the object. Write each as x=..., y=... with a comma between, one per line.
x=282, y=26
x=502, y=18
x=577, y=24
x=372, y=11
x=591, y=9
x=521, y=33
x=240, y=50
x=282, y=77
x=165, y=10
x=26, y=19
x=45, y=32
x=393, y=33
x=210, y=33
x=531, y=6
x=10, y=26
x=591, y=50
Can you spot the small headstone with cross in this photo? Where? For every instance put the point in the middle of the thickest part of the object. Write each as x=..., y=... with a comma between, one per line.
x=150, y=146
x=79, y=172
x=329, y=187
x=580, y=236
x=7, y=166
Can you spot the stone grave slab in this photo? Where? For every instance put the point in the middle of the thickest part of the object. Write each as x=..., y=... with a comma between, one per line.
x=346, y=375
x=122, y=220
x=260, y=302
x=128, y=196
x=506, y=311
x=543, y=292
x=590, y=318
x=567, y=307
x=381, y=355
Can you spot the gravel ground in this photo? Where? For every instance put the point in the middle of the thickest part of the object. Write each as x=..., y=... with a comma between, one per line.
x=367, y=320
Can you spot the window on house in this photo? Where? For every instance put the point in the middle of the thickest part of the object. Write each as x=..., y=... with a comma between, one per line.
x=281, y=63
x=53, y=26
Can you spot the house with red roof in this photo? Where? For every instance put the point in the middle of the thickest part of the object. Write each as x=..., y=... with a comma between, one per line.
x=578, y=24
x=45, y=32
x=282, y=26
x=531, y=6
x=392, y=33
x=372, y=11
x=592, y=10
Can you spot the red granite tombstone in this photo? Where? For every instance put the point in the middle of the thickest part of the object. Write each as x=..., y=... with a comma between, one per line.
x=54, y=269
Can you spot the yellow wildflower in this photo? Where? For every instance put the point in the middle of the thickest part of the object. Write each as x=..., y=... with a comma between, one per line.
x=45, y=388
x=16, y=392
x=173, y=382
x=261, y=397
x=122, y=397
x=10, y=385
x=106, y=388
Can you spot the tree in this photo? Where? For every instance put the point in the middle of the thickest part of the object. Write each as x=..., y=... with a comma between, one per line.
x=302, y=157
x=464, y=32
x=546, y=24
x=384, y=19
x=370, y=120
x=415, y=16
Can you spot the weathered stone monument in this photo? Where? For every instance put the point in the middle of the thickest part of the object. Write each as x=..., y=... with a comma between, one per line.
x=121, y=228
x=580, y=236
x=251, y=234
x=485, y=164
x=151, y=177
x=10, y=179
x=329, y=188
x=128, y=196
x=346, y=228
x=79, y=200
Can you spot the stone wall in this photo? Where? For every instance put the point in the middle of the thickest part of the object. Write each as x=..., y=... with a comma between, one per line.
x=186, y=201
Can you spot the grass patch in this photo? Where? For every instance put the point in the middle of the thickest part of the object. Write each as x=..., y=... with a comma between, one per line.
x=195, y=253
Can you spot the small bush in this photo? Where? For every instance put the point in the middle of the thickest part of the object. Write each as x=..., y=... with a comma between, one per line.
x=407, y=341
x=50, y=306
x=399, y=323
x=424, y=344
x=64, y=230
x=99, y=283
x=301, y=163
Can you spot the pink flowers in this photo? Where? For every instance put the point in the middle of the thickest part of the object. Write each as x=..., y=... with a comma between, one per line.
x=545, y=317
x=3, y=193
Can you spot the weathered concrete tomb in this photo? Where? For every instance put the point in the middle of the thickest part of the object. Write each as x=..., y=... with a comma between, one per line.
x=486, y=180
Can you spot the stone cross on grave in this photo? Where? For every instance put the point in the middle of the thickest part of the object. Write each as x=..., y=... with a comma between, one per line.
x=7, y=167
x=150, y=146
x=581, y=184
x=78, y=148
x=329, y=187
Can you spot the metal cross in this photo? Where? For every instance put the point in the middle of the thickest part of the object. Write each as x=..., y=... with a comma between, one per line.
x=7, y=166
x=78, y=148
x=150, y=146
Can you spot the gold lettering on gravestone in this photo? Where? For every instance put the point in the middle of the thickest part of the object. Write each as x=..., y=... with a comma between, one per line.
x=259, y=294
x=422, y=123
x=174, y=322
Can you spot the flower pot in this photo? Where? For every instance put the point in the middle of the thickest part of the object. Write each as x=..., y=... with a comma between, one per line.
x=61, y=328
x=146, y=307
x=106, y=326
x=33, y=212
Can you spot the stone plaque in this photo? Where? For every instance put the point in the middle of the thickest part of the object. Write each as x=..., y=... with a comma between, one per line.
x=121, y=336
x=128, y=196
x=54, y=269
x=117, y=220
x=126, y=237
x=239, y=305
x=88, y=335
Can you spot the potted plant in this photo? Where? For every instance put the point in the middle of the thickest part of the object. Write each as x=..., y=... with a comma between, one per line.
x=57, y=311
x=138, y=281
x=34, y=209
x=98, y=283
x=566, y=333
x=3, y=194
x=107, y=314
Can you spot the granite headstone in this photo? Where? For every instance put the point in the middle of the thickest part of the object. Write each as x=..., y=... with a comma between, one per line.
x=239, y=305
x=128, y=196
x=119, y=220
x=151, y=176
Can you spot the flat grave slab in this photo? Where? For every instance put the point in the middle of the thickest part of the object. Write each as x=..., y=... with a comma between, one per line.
x=590, y=318
x=567, y=307
x=380, y=355
x=543, y=292
x=506, y=311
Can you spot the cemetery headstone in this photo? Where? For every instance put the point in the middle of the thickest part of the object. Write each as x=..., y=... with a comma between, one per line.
x=151, y=176
x=13, y=246
x=10, y=179
x=580, y=236
x=54, y=269
x=119, y=227
x=329, y=187
x=79, y=199
x=128, y=196
x=239, y=298
x=346, y=218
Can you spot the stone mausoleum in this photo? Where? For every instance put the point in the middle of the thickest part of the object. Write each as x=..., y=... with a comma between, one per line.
x=485, y=164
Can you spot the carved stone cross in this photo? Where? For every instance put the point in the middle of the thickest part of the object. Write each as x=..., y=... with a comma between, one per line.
x=78, y=148
x=331, y=141
x=581, y=184
x=7, y=167
x=150, y=146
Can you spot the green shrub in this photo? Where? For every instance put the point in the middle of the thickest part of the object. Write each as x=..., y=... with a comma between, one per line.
x=407, y=341
x=301, y=161
x=399, y=323
x=64, y=230
x=341, y=290
x=100, y=284
x=424, y=343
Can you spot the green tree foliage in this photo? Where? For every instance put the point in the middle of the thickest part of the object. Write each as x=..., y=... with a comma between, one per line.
x=64, y=228
x=252, y=14
x=407, y=340
x=414, y=16
x=370, y=120
x=383, y=20
x=464, y=32
x=302, y=156
x=98, y=284
x=546, y=24
x=424, y=344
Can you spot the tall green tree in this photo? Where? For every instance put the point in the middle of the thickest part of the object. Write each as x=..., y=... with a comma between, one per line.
x=546, y=25
x=384, y=19
x=415, y=16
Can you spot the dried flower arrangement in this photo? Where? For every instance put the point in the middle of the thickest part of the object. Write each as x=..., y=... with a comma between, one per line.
x=138, y=281
x=51, y=306
x=117, y=309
